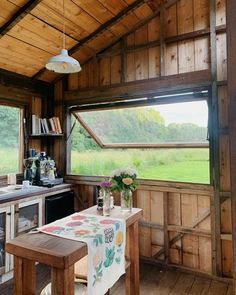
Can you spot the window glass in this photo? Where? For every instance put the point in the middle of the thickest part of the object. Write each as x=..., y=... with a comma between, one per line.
x=184, y=122
x=169, y=123
x=9, y=139
x=190, y=165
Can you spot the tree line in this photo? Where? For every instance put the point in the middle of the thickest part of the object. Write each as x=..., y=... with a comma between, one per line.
x=9, y=127
x=140, y=125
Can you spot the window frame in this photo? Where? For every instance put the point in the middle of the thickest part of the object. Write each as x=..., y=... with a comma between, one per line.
x=156, y=100
x=21, y=150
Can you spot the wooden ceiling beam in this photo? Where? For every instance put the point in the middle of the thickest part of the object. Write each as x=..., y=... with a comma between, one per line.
x=17, y=81
x=21, y=12
x=137, y=89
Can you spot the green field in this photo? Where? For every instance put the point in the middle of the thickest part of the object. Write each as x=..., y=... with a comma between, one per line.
x=190, y=165
x=9, y=161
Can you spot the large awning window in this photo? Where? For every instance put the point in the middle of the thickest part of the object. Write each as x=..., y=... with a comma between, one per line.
x=182, y=124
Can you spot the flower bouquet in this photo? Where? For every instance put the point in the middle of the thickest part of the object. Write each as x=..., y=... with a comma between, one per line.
x=124, y=181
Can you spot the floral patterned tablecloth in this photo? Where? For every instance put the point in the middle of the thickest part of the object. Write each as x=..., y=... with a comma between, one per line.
x=105, y=238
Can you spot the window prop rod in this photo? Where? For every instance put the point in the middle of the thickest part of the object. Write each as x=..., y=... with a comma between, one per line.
x=72, y=127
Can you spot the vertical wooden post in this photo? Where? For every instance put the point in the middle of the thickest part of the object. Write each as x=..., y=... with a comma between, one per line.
x=214, y=145
x=24, y=276
x=123, y=60
x=63, y=281
x=231, y=53
x=162, y=41
x=166, y=237
x=132, y=273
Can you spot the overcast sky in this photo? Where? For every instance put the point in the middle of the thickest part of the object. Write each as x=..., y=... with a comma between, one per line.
x=190, y=112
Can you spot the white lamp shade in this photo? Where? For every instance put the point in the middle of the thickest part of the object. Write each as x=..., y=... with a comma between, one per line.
x=63, y=63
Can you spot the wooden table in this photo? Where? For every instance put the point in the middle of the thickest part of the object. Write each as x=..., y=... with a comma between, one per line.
x=61, y=254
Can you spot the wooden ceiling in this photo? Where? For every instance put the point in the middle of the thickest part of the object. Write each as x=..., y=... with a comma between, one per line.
x=31, y=30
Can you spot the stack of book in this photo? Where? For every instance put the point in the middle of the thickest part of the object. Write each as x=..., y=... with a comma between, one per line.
x=45, y=126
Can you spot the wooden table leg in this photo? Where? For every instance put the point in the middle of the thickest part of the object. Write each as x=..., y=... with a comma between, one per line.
x=63, y=281
x=24, y=276
x=132, y=272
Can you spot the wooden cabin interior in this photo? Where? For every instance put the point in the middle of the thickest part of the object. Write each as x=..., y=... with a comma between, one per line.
x=135, y=55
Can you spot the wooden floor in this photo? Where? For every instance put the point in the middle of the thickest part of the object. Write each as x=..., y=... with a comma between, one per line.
x=154, y=281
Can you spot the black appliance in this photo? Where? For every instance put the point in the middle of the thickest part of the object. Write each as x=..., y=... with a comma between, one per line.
x=59, y=206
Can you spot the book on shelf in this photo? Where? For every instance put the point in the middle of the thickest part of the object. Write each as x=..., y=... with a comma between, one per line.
x=45, y=126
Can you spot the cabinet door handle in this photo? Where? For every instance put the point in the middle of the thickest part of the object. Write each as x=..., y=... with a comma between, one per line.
x=9, y=213
x=17, y=211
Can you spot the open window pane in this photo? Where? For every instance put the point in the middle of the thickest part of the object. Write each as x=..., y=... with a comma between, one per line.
x=176, y=164
x=10, y=139
x=184, y=122
x=190, y=165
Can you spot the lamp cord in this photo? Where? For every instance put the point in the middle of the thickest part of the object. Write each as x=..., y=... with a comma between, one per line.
x=64, y=26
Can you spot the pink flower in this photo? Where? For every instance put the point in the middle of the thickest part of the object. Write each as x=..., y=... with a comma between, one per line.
x=74, y=223
x=105, y=184
x=82, y=232
x=97, y=258
x=127, y=180
x=107, y=221
x=78, y=217
x=52, y=228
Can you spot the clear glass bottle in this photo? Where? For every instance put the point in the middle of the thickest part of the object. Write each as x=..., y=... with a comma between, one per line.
x=106, y=203
x=111, y=201
x=100, y=200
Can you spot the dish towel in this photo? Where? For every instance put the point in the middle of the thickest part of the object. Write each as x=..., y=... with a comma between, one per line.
x=105, y=238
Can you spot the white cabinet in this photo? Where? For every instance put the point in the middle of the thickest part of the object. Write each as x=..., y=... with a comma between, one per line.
x=28, y=216
x=16, y=219
x=5, y=234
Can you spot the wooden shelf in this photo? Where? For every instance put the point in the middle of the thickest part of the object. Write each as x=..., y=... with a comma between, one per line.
x=47, y=135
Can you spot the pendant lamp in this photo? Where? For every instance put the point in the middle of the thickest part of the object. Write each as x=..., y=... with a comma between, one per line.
x=63, y=63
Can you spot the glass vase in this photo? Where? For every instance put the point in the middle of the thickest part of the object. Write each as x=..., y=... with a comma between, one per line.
x=106, y=204
x=126, y=200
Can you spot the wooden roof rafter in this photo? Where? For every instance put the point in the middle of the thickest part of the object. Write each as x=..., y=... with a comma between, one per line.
x=167, y=4
x=99, y=30
x=21, y=12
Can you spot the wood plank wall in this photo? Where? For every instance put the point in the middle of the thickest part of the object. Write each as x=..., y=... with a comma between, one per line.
x=176, y=225
x=178, y=40
x=149, y=52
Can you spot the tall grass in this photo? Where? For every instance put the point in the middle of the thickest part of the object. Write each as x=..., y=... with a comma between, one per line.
x=191, y=165
x=9, y=160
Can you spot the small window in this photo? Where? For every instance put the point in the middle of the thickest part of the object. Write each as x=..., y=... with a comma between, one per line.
x=10, y=139
x=167, y=141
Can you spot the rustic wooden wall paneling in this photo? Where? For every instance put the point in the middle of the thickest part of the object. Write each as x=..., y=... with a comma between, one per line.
x=58, y=144
x=175, y=225
x=217, y=263
x=143, y=201
x=224, y=152
x=183, y=55
x=36, y=109
x=231, y=74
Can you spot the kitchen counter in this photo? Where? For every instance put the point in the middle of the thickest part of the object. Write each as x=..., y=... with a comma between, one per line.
x=13, y=193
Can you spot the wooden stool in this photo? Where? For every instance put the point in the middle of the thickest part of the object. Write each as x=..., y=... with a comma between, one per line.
x=80, y=289
x=81, y=270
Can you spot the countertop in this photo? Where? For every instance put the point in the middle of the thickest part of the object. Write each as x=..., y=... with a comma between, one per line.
x=13, y=193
